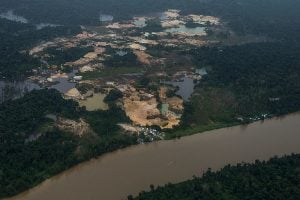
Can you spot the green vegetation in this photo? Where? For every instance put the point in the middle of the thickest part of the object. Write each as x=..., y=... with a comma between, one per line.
x=153, y=25
x=58, y=56
x=127, y=60
x=33, y=149
x=192, y=24
x=257, y=16
x=23, y=116
x=143, y=82
x=66, y=11
x=111, y=72
x=271, y=18
x=276, y=179
x=209, y=108
x=251, y=81
x=244, y=83
x=262, y=77
x=84, y=87
x=113, y=95
x=15, y=41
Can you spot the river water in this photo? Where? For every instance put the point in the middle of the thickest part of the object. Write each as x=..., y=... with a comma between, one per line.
x=128, y=171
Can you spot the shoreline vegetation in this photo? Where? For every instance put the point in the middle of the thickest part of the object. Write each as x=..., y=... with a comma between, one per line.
x=65, y=156
x=44, y=134
x=158, y=189
x=277, y=178
x=248, y=70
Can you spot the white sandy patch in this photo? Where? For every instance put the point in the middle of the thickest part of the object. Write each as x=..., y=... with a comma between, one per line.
x=172, y=23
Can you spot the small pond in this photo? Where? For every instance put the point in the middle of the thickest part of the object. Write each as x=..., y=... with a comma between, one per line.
x=63, y=83
x=184, y=29
x=96, y=102
x=140, y=22
x=121, y=53
x=106, y=18
x=185, y=87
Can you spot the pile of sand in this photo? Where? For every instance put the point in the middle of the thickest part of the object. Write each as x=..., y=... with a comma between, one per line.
x=73, y=93
x=202, y=19
x=91, y=55
x=143, y=113
x=120, y=26
x=59, y=75
x=85, y=35
x=143, y=57
x=86, y=68
x=146, y=113
x=136, y=46
x=175, y=104
x=172, y=13
x=130, y=128
x=163, y=93
x=172, y=23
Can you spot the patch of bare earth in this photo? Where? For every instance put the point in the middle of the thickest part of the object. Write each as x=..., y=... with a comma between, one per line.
x=79, y=128
x=143, y=113
x=130, y=128
x=175, y=104
x=143, y=57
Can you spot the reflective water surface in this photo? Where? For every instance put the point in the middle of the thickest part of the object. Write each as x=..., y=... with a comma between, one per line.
x=184, y=29
x=106, y=18
x=128, y=171
x=185, y=87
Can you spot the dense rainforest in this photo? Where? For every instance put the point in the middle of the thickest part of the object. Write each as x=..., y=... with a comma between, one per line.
x=278, y=178
x=31, y=142
x=249, y=81
x=271, y=18
x=243, y=82
x=15, y=41
x=265, y=77
x=257, y=15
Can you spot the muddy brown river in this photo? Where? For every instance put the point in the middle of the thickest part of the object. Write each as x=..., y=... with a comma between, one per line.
x=128, y=171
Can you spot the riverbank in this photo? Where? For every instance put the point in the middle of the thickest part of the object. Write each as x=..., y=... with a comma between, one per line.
x=275, y=179
x=129, y=171
x=183, y=132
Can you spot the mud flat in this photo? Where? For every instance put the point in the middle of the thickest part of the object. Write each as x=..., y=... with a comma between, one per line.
x=96, y=102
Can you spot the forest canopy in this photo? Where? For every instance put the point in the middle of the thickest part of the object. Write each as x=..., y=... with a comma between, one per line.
x=276, y=179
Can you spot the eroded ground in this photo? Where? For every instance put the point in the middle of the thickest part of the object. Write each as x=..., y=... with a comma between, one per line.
x=141, y=58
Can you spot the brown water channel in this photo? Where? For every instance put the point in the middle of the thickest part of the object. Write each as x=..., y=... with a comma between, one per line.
x=128, y=171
